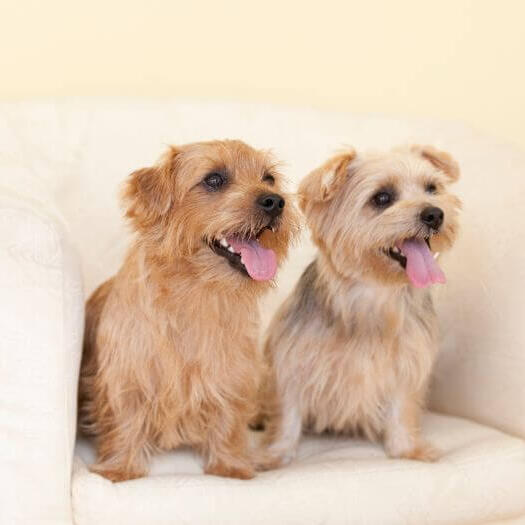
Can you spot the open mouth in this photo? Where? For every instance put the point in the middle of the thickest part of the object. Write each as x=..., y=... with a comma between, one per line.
x=395, y=253
x=247, y=255
x=415, y=256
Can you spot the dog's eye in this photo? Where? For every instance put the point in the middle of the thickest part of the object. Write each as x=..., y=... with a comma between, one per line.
x=270, y=179
x=382, y=199
x=431, y=188
x=214, y=180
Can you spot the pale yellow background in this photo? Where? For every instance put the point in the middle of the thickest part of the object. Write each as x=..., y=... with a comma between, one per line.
x=461, y=60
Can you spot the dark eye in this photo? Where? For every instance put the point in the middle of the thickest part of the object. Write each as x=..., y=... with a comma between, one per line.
x=383, y=199
x=270, y=179
x=214, y=180
x=431, y=188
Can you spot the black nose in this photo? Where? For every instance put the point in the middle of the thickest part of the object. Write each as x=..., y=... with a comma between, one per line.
x=433, y=217
x=271, y=203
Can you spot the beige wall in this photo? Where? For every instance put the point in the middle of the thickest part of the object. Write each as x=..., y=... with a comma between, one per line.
x=462, y=59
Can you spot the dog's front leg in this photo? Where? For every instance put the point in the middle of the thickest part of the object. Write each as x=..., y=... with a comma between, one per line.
x=227, y=448
x=122, y=450
x=286, y=426
x=402, y=435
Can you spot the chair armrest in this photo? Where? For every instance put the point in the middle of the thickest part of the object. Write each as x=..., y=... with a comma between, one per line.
x=41, y=322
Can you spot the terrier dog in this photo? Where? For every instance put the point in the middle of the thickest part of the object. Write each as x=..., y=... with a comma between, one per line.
x=170, y=352
x=352, y=347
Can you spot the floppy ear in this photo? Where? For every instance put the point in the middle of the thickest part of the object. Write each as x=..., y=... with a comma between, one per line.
x=148, y=192
x=440, y=159
x=324, y=182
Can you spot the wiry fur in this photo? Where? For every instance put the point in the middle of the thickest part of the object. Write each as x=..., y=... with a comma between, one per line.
x=352, y=348
x=170, y=348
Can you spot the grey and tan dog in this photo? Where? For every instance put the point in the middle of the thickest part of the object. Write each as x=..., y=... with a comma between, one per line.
x=352, y=347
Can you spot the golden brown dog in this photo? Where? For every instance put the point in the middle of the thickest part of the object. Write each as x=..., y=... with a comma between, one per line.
x=352, y=348
x=170, y=345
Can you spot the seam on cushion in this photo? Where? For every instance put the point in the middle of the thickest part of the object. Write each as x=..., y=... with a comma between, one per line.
x=70, y=437
x=511, y=520
x=476, y=421
x=67, y=478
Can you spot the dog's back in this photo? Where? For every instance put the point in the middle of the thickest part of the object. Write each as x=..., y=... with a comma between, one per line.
x=88, y=369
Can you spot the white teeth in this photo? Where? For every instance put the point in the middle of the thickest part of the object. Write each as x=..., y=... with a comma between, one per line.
x=436, y=255
x=224, y=243
x=395, y=249
x=230, y=249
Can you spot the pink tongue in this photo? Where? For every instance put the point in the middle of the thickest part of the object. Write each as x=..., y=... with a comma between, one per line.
x=422, y=269
x=260, y=263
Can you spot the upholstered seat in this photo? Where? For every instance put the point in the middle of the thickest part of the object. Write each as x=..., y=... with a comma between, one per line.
x=62, y=233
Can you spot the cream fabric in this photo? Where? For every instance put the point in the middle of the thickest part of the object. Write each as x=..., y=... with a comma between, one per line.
x=61, y=164
x=41, y=322
x=333, y=481
x=481, y=369
x=41, y=319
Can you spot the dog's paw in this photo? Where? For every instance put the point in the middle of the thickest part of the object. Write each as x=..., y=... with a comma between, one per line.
x=282, y=457
x=422, y=452
x=115, y=474
x=426, y=452
x=230, y=471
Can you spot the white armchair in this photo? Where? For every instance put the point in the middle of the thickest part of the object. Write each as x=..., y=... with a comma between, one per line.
x=61, y=232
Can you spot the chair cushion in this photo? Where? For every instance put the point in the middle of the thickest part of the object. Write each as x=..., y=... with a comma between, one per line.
x=479, y=479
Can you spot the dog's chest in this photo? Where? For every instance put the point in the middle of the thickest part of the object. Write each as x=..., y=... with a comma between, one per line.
x=374, y=348
x=212, y=364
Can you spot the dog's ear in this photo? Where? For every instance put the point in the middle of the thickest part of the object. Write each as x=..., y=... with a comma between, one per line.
x=324, y=182
x=440, y=159
x=148, y=193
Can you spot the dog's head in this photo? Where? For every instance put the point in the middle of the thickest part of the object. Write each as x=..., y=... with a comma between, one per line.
x=218, y=204
x=384, y=217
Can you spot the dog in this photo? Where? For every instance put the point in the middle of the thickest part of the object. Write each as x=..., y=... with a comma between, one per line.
x=170, y=352
x=352, y=348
